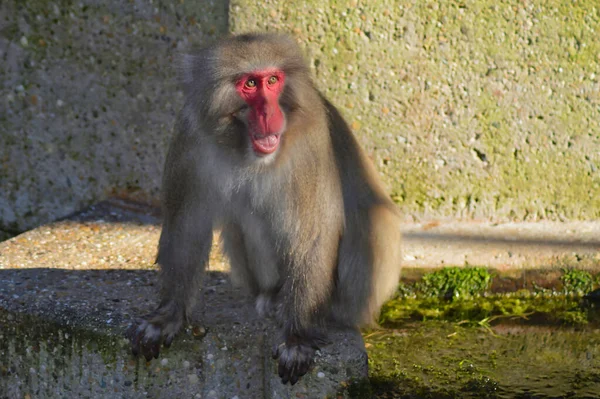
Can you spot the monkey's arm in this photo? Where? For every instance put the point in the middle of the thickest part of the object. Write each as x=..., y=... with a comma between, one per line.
x=184, y=248
x=306, y=292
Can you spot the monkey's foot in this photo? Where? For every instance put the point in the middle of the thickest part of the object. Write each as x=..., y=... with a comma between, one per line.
x=146, y=335
x=296, y=356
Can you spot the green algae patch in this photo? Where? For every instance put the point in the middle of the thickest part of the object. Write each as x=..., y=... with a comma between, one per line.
x=455, y=282
x=465, y=295
x=578, y=282
x=24, y=334
x=444, y=360
x=518, y=308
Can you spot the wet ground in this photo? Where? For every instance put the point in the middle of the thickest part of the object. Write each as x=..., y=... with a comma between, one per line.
x=446, y=360
x=458, y=333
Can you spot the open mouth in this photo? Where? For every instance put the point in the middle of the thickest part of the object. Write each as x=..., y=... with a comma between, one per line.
x=264, y=145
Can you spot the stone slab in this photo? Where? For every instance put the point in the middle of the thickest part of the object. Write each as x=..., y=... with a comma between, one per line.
x=62, y=322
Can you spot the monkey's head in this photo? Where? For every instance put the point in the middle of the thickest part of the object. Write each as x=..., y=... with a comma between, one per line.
x=246, y=91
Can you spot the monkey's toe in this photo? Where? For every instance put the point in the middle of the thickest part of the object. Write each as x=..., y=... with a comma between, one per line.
x=151, y=350
x=145, y=339
x=169, y=340
x=294, y=361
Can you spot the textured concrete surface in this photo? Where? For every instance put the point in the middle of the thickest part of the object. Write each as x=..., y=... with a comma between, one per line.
x=470, y=109
x=503, y=246
x=62, y=321
x=123, y=235
x=62, y=335
x=88, y=96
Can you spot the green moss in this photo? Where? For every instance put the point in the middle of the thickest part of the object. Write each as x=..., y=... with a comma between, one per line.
x=522, y=308
x=435, y=345
x=463, y=295
x=358, y=389
x=577, y=281
x=455, y=282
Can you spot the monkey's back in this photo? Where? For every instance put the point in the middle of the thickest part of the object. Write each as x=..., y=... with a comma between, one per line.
x=361, y=184
x=368, y=268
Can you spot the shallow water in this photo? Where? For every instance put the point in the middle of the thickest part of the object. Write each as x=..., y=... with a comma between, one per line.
x=445, y=360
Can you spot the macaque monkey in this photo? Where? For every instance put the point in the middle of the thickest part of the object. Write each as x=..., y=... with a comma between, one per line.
x=307, y=226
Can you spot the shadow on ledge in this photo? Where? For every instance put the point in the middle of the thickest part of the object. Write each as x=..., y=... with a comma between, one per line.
x=62, y=334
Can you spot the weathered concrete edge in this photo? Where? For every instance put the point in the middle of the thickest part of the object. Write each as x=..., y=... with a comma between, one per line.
x=103, y=302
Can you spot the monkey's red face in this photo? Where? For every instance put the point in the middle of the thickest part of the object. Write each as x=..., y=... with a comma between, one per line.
x=266, y=121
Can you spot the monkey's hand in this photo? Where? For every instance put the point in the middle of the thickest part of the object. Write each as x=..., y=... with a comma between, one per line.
x=160, y=326
x=296, y=355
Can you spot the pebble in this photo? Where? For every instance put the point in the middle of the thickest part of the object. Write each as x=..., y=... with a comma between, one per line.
x=193, y=378
x=164, y=362
x=24, y=41
x=321, y=374
x=198, y=332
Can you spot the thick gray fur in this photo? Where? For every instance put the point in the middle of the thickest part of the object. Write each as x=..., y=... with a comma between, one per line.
x=309, y=230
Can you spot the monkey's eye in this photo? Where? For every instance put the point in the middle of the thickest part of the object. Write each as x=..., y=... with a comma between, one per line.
x=250, y=83
x=272, y=80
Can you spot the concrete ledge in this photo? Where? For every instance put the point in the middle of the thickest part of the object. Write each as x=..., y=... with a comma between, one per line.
x=62, y=334
x=62, y=328
x=502, y=245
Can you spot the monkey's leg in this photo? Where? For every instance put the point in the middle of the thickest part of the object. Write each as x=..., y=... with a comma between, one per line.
x=263, y=266
x=234, y=247
x=306, y=293
x=253, y=264
x=184, y=248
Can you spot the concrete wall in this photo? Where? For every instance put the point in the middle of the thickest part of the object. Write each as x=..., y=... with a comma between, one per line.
x=88, y=98
x=470, y=109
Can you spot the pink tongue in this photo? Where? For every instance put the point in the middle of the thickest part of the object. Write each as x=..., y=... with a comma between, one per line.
x=266, y=141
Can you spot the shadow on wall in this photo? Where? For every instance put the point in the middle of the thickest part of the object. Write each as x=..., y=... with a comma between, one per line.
x=89, y=98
